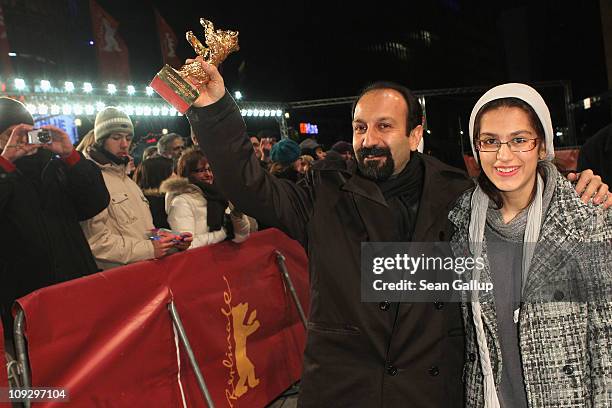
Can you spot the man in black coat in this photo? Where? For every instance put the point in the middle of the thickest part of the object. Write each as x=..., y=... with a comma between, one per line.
x=357, y=354
x=45, y=190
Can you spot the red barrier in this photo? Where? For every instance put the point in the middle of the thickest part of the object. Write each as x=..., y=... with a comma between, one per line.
x=108, y=338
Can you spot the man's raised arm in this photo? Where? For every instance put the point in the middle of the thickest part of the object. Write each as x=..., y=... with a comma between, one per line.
x=221, y=133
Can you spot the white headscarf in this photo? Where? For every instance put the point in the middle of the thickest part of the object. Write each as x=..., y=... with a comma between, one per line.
x=524, y=93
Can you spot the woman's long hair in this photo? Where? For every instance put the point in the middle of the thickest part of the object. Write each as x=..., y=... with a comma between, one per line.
x=86, y=142
x=152, y=172
x=188, y=163
x=483, y=181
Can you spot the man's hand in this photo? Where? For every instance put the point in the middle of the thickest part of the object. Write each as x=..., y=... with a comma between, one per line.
x=60, y=141
x=17, y=145
x=214, y=89
x=590, y=185
x=265, y=146
x=161, y=246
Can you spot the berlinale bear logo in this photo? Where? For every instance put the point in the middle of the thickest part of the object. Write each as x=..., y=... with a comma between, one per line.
x=236, y=359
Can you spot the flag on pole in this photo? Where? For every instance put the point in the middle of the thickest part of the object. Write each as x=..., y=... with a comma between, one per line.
x=113, y=56
x=167, y=41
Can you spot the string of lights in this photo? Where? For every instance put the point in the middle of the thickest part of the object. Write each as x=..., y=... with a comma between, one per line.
x=46, y=97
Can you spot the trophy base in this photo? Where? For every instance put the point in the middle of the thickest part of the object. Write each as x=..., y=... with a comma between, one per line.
x=171, y=86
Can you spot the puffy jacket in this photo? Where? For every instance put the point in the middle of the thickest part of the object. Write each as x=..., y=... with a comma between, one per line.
x=186, y=207
x=119, y=234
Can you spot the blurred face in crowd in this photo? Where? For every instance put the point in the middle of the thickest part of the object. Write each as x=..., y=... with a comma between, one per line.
x=381, y=140
x=118, y=143
x=321, y=154
x=346, y=156
x=256, y=147
x=203, y=173
x=513, y=173
x=301, y=166
x=176, y=147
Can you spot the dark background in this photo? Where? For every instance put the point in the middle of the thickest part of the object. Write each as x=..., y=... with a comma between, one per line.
x=301, y=50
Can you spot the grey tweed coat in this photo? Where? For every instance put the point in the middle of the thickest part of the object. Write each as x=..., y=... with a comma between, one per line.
x=565, y=324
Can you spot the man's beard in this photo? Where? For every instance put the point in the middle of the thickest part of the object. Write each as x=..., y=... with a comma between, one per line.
x=373, y=169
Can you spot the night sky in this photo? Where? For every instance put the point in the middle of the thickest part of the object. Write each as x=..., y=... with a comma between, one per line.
x=301, y=50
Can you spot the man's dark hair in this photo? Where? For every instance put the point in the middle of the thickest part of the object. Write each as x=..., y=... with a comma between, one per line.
x=415, y=111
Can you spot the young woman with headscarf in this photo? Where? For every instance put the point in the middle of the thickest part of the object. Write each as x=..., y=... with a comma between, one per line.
x=542, y=336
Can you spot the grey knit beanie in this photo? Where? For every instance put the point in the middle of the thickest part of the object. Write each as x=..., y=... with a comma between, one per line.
x=110, y=120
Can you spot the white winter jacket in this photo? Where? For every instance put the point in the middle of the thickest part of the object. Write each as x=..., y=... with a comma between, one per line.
x=186, y=207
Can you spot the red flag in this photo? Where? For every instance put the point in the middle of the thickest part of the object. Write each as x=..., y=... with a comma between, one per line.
x=5, y=60
x=167, y=41
x=113, y=56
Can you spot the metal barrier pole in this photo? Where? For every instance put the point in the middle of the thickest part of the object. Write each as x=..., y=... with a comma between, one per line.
x=280, y=259
x=20, y=350
x=176, y=320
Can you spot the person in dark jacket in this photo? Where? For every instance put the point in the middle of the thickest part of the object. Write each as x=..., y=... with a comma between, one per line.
x=357, y=354
x=596, y=154
x=45, y=190
x=345, y=149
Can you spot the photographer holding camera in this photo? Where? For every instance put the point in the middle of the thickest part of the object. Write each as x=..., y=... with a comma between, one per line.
x=45, y=190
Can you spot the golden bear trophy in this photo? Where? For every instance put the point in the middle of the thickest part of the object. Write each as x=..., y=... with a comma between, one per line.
x=177, y=86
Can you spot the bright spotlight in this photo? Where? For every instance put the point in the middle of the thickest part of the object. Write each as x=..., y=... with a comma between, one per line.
x=45, y=85
x=19, y=84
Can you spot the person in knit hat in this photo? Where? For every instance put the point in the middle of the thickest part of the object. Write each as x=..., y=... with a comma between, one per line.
x=285, y=152
x=345, y=149
x=541, y=338
x=45, y=190
x=119, y=235
x=284, y=156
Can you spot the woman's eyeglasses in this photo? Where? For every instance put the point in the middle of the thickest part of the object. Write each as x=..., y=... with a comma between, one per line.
x=517, y=145
x=202, y=170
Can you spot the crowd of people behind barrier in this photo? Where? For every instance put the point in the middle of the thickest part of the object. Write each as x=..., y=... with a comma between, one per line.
x=72, y=211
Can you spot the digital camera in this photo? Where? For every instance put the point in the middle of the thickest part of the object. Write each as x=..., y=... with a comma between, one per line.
x=39, y=136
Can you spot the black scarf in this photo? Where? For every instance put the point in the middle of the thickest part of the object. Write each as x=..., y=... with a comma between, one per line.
x=403, y=194
x=289, y=173
x=103, y=156
x=215, y=207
